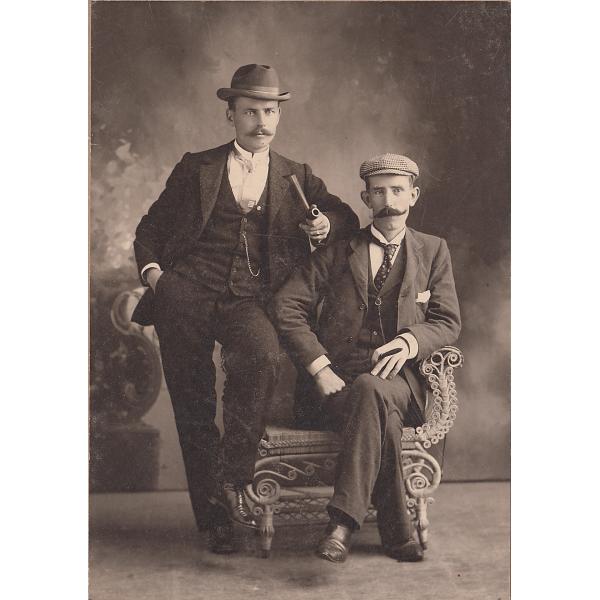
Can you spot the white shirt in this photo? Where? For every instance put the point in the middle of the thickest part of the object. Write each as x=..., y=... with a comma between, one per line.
x=247, y=174
x=376, y=255
x=376, y=252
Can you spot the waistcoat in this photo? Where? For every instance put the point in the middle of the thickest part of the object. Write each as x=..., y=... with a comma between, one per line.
x=219, y=260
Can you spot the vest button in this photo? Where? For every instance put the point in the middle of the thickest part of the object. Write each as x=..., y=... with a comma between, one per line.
x=363, y=307
x=349, y=339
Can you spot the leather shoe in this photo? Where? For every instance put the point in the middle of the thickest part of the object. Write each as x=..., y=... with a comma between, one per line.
x=410, y=551
x=335, y=544
x=233, y=500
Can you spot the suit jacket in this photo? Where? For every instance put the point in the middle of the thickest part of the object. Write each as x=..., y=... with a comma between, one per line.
x=177, y=219
x=338, y=276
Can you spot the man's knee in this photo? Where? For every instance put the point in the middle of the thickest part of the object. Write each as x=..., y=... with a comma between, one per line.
x=371, y=392
x=261, y=354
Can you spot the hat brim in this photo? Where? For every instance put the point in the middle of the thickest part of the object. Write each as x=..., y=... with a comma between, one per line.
x=226, y=93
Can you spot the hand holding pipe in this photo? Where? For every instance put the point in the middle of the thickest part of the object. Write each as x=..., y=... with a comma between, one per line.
x=312, y=212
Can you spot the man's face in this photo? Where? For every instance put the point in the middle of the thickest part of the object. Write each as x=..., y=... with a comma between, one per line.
x=390, y=197
x=255, y=122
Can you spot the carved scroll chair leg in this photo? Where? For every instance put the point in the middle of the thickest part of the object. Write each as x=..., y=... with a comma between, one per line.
x=267, y=531
x=264, y=499
x=422, y=521
x=422, y=476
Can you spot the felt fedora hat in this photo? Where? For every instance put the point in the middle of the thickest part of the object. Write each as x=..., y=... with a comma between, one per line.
x=254, y=81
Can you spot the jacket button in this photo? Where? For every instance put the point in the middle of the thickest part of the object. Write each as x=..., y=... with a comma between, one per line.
x=375, y=333
x=349, y=339
x=363, y=307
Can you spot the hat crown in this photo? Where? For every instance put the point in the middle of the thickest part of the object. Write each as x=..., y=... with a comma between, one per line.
x=255, y=77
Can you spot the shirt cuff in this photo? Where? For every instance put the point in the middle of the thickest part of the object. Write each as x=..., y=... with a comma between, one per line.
x=318, y=364
x=147, y=268
x=413, y=345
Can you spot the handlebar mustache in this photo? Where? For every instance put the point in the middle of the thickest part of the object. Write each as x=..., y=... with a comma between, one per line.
x=388, y=211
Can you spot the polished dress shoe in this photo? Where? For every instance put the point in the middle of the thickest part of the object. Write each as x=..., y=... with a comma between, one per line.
x=233, y=500
x=410, y=551
x=335, y=544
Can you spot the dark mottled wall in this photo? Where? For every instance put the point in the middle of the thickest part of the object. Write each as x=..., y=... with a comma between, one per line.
x=427, y=79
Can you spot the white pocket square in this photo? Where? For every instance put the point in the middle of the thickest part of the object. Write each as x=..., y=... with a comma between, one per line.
x=423, y=296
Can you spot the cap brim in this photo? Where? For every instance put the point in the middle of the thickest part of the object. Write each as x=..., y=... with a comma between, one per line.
x=226, y=93
x=388, y=172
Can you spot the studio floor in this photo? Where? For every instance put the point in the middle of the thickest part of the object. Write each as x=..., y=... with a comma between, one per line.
x=145, y=546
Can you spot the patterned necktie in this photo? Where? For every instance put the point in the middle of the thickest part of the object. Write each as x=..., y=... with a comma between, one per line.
x=386, y=265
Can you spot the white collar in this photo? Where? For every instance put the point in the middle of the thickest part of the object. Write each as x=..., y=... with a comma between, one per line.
x=397, y=240
x=254, y=157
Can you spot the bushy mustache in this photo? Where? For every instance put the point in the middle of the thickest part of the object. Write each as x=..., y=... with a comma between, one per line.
x=389, y=211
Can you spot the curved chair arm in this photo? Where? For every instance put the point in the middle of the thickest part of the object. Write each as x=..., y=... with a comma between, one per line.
x=144, y=350
x=438, y=370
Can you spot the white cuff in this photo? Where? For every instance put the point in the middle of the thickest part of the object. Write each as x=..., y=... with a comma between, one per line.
x=318, y=364
x=147, y=268
x=413, y=345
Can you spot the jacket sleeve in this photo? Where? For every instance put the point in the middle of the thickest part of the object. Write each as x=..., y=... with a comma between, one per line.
x=156, y=227
x=342, y=218
x=295, y=303
x=442, y=318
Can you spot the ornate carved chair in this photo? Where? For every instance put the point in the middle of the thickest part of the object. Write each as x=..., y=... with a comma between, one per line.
x=295, y=468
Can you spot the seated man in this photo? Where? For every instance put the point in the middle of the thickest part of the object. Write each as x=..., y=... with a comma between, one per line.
x=388, y=300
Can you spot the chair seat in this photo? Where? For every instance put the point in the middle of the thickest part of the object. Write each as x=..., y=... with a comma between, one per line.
x=285, y=441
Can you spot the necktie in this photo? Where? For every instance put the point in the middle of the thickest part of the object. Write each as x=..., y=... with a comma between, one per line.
x=386, y=265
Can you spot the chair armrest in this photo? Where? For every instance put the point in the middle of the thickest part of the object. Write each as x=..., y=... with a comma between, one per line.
x=438, y=370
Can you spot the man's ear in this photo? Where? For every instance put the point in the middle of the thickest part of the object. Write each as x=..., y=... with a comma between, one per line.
x=415, y=192
x=364, y=196
x=229, y=115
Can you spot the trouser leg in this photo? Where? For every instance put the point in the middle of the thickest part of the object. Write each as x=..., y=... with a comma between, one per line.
x=182, y=321
x=251, y=361
x=369, y=465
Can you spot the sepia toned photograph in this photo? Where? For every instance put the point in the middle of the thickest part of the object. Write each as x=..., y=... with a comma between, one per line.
x=299, y=288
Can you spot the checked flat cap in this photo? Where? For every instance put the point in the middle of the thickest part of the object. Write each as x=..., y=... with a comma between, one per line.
x=388, y=164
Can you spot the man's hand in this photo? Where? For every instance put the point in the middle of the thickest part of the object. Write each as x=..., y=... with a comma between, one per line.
x=387, y=366
x=328, y=382
x=317, y=229
x=152, y=277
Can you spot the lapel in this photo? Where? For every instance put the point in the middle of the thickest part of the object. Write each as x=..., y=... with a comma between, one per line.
x=359, y=263
x=278, y=186
x=210, y=174
x=413, y=260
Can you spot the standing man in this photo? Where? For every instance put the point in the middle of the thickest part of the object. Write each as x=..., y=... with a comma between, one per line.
x=222, y=237
x=389, y=300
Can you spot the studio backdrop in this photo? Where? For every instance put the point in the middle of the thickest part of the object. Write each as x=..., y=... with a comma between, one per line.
x=425, y=79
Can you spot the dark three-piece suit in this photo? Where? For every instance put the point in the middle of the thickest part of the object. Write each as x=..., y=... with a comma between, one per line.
x=221, y=266
x=355, y=318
